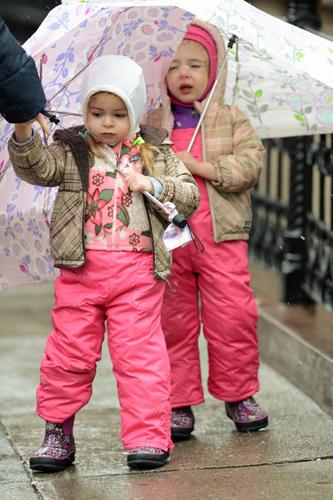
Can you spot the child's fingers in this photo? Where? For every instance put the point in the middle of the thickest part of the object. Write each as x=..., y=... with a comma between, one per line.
x=132, y=182
x=43, y=123
x=137, y=182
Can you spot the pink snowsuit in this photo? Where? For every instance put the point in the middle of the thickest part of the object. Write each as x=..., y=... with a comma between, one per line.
x=227, y=309
x=115, y=286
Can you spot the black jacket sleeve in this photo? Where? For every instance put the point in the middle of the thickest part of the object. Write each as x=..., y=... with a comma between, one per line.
x=21, y=93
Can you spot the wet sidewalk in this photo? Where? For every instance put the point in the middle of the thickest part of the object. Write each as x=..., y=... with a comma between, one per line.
x=292, y=459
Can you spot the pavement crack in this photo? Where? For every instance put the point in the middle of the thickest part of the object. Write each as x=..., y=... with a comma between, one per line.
x=21, y=459
x=260, y=464
x=213, y=467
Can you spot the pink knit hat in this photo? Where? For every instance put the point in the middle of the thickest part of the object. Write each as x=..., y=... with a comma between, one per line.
x=200, y=35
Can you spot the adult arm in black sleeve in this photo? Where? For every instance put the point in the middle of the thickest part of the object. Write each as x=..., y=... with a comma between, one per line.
x=22, y=96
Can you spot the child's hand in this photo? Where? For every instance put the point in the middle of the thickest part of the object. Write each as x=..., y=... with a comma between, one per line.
x=44, y=124
x=23, y=131
x=196, y=167
x=138, y=182
x=188, y=160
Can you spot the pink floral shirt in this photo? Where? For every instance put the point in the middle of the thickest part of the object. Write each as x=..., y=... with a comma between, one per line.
x=116, y=219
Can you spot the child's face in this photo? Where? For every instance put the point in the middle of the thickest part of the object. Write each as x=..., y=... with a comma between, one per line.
x=107, y=118
x=188, y=75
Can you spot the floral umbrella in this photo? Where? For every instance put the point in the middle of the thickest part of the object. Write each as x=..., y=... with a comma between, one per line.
x=280, y=76
x=69, y=38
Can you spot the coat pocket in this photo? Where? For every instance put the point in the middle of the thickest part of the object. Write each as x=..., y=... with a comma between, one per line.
x=66, y=233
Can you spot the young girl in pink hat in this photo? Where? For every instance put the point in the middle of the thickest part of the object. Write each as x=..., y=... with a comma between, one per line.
x=212, y=288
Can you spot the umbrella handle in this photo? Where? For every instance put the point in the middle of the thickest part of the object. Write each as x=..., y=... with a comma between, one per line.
x=51, y=117
x=178, y=219
x=231, y=42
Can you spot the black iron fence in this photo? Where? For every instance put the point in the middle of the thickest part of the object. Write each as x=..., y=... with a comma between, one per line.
x=293, y=208
x=293, y=217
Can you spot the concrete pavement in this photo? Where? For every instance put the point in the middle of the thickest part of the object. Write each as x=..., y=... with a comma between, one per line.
x=292, y=459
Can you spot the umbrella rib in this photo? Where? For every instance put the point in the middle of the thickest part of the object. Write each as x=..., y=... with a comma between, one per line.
x=69, y=81
x=60, y=112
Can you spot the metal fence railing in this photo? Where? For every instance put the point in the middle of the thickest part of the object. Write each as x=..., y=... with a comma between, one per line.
x=293, y=217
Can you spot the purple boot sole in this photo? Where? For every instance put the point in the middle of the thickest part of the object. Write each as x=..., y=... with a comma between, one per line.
x=147, y=458
x=47, y=464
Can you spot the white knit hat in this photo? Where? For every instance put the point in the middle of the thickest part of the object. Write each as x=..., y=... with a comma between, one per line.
x=118, y=75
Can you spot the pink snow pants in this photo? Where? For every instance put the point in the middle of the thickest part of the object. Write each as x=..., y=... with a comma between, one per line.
x=116, y=288
x=227, y=311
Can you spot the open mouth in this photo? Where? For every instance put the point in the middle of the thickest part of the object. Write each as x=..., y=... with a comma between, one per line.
x=185, y=88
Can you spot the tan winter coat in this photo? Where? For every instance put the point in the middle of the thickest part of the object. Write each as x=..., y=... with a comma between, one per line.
x=55, y=165
x=232, y=146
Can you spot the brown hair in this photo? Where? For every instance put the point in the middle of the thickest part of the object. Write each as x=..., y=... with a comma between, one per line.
x=147, y=154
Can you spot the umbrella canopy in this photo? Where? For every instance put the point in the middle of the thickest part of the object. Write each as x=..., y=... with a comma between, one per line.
x=63, y=46
x=281, y=77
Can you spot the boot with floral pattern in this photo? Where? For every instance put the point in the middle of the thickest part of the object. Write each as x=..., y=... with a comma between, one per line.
x=182, y=423
x=57, y=451
x=247, y=415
